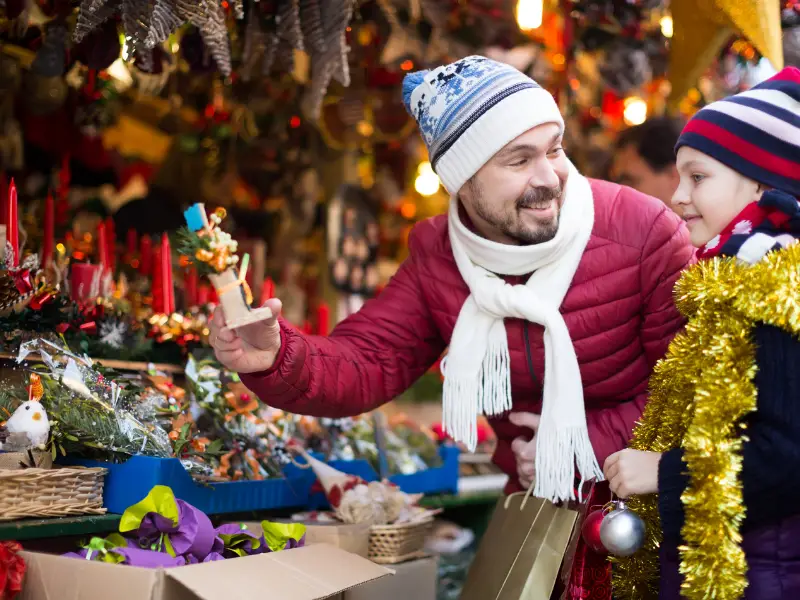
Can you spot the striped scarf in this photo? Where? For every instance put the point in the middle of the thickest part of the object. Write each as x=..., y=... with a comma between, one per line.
x=770, y=224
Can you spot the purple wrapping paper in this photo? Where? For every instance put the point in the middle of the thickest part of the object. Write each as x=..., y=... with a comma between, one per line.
x=135, y=557
x=193, y=536
x=243, y=543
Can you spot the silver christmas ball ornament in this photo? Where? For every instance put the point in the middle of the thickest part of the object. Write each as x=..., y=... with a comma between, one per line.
x=622, y=531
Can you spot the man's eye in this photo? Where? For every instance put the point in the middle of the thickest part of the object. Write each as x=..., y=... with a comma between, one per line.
x=519, y=162
x=556, y=151
x=697, y=177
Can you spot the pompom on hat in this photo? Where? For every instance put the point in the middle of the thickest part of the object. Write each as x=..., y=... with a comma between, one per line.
x=470, y=109
x=756, y=133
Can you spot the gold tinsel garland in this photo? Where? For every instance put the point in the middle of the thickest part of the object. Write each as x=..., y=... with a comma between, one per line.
x=699, y=394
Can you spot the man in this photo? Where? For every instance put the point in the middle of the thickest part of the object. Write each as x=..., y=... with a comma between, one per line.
x=561, y=357
x=645, y=159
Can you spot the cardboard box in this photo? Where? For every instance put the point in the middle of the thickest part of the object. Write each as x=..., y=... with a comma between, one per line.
x=308, y=573
x=413, y=580
x=350, y=538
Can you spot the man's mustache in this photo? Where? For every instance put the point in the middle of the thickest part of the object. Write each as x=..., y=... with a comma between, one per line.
x=538, y=196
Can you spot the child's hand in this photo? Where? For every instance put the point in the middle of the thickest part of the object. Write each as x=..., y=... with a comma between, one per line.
x=632, y=472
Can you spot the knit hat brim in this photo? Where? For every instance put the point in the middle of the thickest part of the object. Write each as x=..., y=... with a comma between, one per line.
x=492, y=131
x=756, y=133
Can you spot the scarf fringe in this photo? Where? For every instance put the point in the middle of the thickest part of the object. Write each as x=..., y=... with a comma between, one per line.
x=488, y=392
x=555, y=477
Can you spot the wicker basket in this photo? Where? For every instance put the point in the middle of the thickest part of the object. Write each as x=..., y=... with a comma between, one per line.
x=16, y=460
x=390, y=544
x=51, y=492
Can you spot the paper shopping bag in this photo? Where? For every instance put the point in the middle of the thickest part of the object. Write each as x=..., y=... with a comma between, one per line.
x=520, y=555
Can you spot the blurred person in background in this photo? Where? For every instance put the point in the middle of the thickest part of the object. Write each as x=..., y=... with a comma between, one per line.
x=645, y=158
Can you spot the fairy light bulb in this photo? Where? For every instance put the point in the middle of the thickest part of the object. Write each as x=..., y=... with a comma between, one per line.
x=666, y=26
x=427, y=182
x=635, y=111
x=529, y=14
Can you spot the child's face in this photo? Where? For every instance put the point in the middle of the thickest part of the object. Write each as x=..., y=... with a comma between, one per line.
x=710, y=194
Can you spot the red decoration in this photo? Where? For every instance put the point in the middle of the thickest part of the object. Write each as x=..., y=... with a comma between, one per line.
x=307, y=329
x=11, y=223
x=163, y=288
x=323, y=319
x=203, y=294
x=335, y=496
x=49, y=230
x=102, y=246
x=145, y=255
x=267, y=290
x=12, y=570
x=111, y=244
x=83, y=278
x=190, y=287
x=590, y=532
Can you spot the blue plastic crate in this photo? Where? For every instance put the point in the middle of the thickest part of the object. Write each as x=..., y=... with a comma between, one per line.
x=127, y=483
x=439, y=480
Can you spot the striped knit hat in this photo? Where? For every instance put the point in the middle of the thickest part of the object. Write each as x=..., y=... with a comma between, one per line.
x=756, y=133
x=468, y=110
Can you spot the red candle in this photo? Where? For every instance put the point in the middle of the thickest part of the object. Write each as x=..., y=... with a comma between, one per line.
x=323, y=319
x=84, y=281
x=111, y=244
x=203, y=294
x=49, y=230
x=267, y=290
x=190, y=287
x=307, y=327
x=12, y=224
x=163, y=288
x=102, y=246
x=145, y=255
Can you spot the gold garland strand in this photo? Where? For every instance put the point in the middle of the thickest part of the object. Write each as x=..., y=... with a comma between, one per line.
x=699, y=394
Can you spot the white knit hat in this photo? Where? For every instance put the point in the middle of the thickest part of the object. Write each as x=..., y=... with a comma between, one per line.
x=469, y=110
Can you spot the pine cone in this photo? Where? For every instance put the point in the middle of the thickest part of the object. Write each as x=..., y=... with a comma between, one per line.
x=9, y=295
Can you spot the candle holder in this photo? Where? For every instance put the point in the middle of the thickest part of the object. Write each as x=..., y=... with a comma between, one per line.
x=214, y=253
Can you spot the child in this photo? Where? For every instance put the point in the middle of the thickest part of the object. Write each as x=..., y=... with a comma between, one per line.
x=713, y=465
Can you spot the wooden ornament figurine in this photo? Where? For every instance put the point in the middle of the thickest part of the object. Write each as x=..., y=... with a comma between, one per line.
x=214, y=253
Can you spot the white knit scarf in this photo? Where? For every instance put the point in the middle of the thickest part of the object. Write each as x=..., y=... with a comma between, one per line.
x=476, y=369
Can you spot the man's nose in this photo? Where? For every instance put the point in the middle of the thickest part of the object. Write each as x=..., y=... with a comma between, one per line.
x=544, y=175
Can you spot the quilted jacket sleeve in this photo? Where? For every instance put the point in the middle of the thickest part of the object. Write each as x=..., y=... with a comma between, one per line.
x=369, y=358
x=666, y=252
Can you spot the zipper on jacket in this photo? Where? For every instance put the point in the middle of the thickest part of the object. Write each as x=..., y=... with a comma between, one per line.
x=528, y=355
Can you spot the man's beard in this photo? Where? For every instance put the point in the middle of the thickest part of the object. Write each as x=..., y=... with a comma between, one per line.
x=511, y=225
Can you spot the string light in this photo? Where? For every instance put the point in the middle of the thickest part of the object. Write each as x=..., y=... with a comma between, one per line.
x=427, y=182
x=666, y=26
x=635, y=111
x=529, y=14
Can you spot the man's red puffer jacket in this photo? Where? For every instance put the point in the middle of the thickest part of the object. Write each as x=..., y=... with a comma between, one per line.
x=619, y=311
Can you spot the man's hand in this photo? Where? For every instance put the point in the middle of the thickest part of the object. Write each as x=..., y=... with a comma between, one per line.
x=525, y=450
x=248, y=349
x=632, y=472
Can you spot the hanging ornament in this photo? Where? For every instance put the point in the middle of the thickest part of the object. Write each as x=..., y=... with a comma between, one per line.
x=287, y=24
x=311, y=23
x=46, y=89
x=590, y=531
x=626, y=67
x=622, y=531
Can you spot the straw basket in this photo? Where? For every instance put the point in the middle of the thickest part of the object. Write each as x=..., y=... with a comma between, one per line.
x=51, y=492
x=390, y=544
